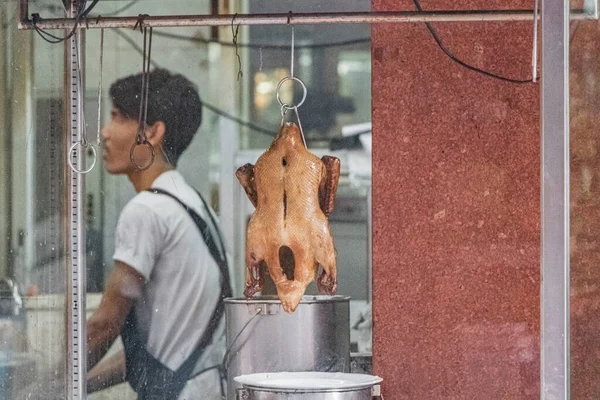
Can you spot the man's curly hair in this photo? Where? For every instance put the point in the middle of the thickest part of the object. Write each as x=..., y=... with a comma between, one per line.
x=172, y=99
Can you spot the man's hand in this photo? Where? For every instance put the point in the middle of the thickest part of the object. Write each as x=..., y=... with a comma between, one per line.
x=108, y=373
x=124, y=286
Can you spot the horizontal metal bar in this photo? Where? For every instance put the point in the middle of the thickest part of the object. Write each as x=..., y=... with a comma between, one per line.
x=294, y=19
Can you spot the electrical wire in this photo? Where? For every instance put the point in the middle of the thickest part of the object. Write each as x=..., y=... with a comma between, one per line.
x=120, y=10
x=225, y=362
x=460, y=62
x=49, y=37
x=264, y=45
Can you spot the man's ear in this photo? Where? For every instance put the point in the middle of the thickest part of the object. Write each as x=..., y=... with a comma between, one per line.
x=156, y=133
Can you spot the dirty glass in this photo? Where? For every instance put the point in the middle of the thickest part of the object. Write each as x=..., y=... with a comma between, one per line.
x=584, y=108
x=32, y=215
x=235, y=71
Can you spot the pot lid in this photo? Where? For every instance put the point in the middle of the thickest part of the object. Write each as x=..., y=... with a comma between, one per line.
x=308, y=381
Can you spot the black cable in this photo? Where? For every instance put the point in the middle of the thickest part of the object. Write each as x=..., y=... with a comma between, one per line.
x=134, y=45
x=239, y=121
x=87, y=10
x=262, y=46
x=47, y=36
x=234, y=33
x=120, y=10
x=460, y=62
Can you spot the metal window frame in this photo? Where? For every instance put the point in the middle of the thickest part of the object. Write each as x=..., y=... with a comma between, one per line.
x=555, y=312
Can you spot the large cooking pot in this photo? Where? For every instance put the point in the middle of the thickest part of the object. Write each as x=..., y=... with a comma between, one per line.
x=307, y=386
x=262, y=337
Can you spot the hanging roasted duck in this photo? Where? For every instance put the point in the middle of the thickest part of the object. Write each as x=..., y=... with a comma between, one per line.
x=293, y=192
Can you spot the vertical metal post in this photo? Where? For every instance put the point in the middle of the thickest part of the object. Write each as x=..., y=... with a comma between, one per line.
x=76, y=321
x=555, y=201
x=4, y=156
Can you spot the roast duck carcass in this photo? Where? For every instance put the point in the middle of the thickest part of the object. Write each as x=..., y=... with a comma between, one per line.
x=293, y=192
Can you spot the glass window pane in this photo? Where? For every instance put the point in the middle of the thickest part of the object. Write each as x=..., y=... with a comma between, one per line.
x=239, y=120
x=32, y=214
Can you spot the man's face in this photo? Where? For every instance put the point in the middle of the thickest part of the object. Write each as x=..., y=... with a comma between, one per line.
x=119, y=136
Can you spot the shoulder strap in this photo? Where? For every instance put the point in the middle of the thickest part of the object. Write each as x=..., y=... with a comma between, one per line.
x=221, y=259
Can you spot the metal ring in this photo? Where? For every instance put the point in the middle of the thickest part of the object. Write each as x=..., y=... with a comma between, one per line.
x=284, y=109
x=291, y=78
x=83, y=146
x=132, y=157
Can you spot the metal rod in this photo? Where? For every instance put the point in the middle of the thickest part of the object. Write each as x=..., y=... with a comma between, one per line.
x=76, y=272
x=555, y=308
x=298, y=19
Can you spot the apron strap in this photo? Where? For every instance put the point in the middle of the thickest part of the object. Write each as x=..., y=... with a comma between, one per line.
x=148, y=376
x=220, y=257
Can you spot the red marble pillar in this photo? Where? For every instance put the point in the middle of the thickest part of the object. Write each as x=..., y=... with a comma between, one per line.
x=585, y=210
x=456, y=200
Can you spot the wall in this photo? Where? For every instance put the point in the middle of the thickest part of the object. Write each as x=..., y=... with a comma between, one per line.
x=585, y=209
x=455, y=209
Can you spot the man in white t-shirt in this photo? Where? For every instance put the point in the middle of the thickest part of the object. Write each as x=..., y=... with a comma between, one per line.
x=164, y=295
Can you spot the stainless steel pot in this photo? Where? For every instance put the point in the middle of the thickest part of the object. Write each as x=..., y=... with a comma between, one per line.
x=263, y=394
x=308, y=386
x=264, y=338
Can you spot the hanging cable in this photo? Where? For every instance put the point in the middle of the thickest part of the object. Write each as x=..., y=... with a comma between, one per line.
x=460, y=62
x=262, y=45
x=125, y=7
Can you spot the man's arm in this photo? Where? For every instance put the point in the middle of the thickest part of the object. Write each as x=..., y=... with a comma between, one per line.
x=104, y=326
x=108, y=373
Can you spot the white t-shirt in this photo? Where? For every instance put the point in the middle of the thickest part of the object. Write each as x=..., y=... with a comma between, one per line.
x=158, y=238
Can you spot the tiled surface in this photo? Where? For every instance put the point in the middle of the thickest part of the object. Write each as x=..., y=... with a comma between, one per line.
x=455, y=210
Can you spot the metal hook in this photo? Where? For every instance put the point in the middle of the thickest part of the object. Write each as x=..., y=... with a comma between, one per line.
x=304, y=92
x=140, y=22
x=141, y=139
x=98, y=140
x=300, y=126
x=73, y=152
x=146, y=143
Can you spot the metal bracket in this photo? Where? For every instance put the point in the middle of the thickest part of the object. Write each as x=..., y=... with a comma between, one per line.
x=264, y=309
x=376, y=392
x=242, y=394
